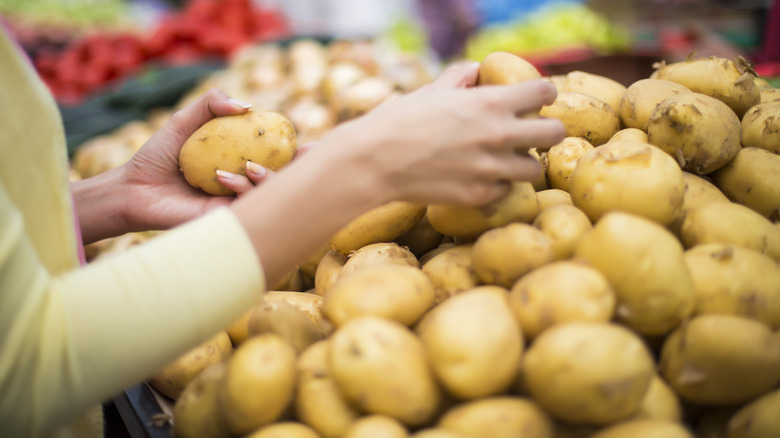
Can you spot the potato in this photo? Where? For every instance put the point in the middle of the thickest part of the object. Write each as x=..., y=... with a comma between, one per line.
x=660, y=403
x=451, y=271
x=588, y=372
x=644, y=264
x=379, y=253
x=584, y=116
x=769, y=95
x=721, y=360
x=598, y=86
x=437, y=432
x=699, y=131
x=730, y=223
x=641, y=98
x=307, y=63
x=731, y=82
x=259, y=384
x=376, y=426
x=503, y=68
x=401, y=293
x=309, y=266
x=174, y=377
x=227, y=143
x=360, y=97
x=631, y=134
x=751, y=179
x=318, y=400
x=561, y=292
x=738, y=281
x=391, y=377
x=310, y=304
x=287, y=321
x=338, y=76
x=758, y=418
x=285, y=429
x=563, y=225
x=196, y=412
x=761, y=127
x=381, y=224
x=519, y=205
x=498, y=417
x=549, y=197
x=562, y=159
x=698, y=191
x=645, y=429
x=421, y=238
x=328, y=271
x=502, y=255
x=626, y=176
x=473, y=343
x=238, y=331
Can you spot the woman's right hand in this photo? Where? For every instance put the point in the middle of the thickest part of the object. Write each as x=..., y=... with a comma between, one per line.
x=448, y=142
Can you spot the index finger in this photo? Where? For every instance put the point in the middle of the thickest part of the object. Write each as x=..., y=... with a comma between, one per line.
x=522, y=97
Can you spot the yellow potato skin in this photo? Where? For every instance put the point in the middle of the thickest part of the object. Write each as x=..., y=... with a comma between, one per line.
x=758, y=418
x=318, y=400
x=259, y=384
x=645, y=429
x=564, y=225
x=227, y=143
x=752, y=179
x=644, y=264
x=698, y=191
x=196, y=412
x=451, y=271
x=381, y=224
x=376, y=426
x=502, y=255
x=588, y=372
x=401, y=293
x=599, y=86
x=379, y=254
x=699, y=131
x=641, y=98
x=285, y=429
x=391, y=378
x=584, y=116
x=174, y=377
x=519, y=205
x=737, y=281
x=630, y=134
x=660, y=403
x=721, y=78
x=562, y=159
x=498, y=417
x=761, y=127
x=730, y=223
x=328, y=270
x=550, y=197
x=560, y=292
x=503, y=68
x=721, y=360
x=632, y=177
x=473, y=343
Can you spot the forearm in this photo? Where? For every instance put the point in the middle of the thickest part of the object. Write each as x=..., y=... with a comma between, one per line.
x=100, y=204
x=292, y=215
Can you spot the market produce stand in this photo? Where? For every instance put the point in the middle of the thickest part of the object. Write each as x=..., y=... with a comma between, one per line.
x=142, y=413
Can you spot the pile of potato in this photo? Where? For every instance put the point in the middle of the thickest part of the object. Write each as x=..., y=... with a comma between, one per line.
x=632, y=291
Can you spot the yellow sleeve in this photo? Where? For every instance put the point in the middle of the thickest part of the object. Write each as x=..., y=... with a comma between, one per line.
x=70, y=340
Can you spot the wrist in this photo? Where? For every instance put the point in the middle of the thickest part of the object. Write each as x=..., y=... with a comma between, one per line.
x=100, y=204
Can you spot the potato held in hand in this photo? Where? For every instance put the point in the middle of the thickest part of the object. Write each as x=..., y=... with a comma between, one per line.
x=227, y=143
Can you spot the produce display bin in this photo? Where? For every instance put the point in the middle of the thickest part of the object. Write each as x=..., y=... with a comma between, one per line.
x=144, y=412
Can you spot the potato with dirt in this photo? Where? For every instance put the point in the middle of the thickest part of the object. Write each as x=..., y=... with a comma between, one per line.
x=451, y=271
x=380, y=253
x=504, y=68
x=632, y=177
x=564, y=225
x=641, y=98
x=380, y=224
x=498, y=417
x=729, y=81
x=699, y=131
x=761, y=127
x=562, y=159
x=226, y=143
x=758, y=418
x=699, y=190
x=584, y=116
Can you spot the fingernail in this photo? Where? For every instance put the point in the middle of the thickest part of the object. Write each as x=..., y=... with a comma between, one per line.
x=255, y=168
x=224, y=174
x=240, y=103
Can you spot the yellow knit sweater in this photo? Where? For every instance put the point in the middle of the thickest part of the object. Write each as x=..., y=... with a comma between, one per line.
x=71, y=336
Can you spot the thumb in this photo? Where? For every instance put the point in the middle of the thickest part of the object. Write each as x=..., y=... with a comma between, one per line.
x=460, y=75
x=214, y=103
